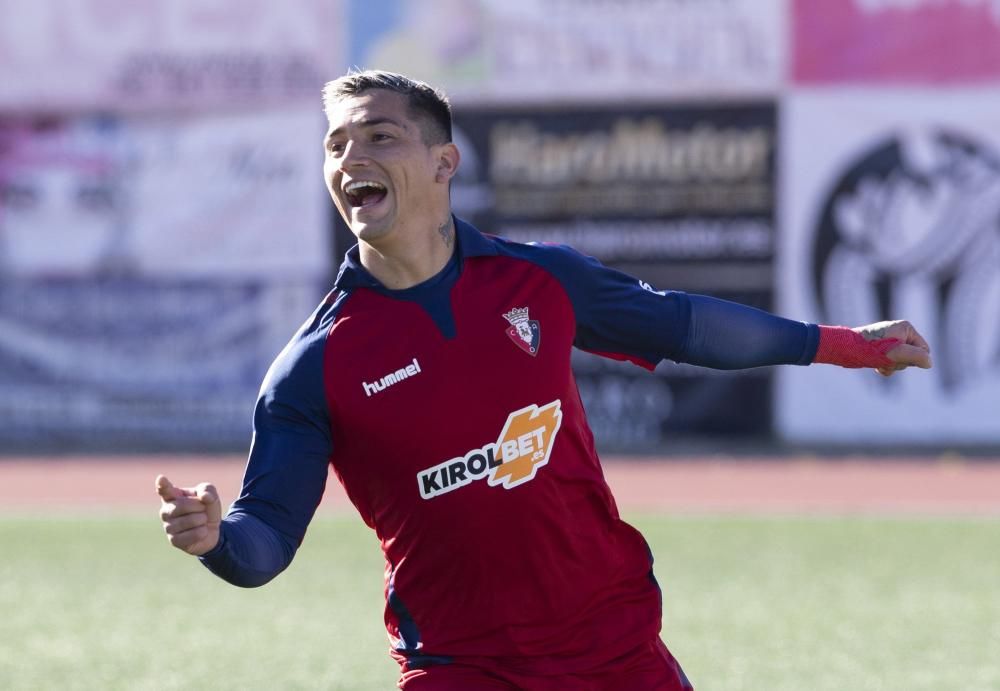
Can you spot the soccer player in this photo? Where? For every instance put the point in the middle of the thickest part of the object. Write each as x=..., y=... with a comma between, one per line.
x=435, y=380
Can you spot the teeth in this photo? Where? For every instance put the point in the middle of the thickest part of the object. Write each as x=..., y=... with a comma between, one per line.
x=358, y=184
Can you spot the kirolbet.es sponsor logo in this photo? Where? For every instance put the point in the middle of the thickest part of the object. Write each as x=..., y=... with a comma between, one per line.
x=524, y=446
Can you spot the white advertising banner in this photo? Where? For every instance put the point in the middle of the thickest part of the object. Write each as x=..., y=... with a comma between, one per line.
x=200, y=196
x=891, y=209
x=150, y=270
x=58, y=55
x=551, y=50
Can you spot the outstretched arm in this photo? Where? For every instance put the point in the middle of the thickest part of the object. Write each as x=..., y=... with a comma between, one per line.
x=621, y=317
x=727, y=335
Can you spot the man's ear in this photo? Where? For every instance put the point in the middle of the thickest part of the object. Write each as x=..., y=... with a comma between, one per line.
x=448, y=160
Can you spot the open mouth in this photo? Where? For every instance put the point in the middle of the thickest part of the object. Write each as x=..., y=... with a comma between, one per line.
x=363, y=193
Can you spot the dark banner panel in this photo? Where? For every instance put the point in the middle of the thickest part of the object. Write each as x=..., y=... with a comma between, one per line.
x=681, y=197
x=131, y=363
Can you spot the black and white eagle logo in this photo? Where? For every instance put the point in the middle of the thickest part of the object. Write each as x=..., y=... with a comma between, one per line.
x=912, y=227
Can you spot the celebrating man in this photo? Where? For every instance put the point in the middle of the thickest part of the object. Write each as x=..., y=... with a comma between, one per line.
x=435, y=379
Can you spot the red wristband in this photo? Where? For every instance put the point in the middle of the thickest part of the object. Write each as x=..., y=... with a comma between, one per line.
x=839, y=345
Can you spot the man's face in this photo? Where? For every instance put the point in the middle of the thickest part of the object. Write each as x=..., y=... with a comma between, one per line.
x=378, y=167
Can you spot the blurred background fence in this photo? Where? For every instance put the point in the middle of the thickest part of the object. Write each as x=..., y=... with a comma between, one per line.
x=164, y=227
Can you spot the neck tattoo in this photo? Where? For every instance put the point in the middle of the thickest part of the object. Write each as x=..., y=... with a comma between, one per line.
x=447, y=232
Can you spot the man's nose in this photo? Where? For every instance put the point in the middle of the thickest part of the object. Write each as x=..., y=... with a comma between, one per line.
x=354, y=155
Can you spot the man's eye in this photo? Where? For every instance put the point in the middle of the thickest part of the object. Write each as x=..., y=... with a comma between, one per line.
x=335, y=148
x=380, y=137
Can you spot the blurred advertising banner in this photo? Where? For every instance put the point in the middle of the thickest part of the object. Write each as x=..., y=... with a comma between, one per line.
x=149, y=272
x=891, y=209
x=885, y=41
x=573, y=50
x=679, y=196
x=97, y=54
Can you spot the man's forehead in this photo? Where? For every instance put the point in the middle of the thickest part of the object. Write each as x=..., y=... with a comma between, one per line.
x=374, y=105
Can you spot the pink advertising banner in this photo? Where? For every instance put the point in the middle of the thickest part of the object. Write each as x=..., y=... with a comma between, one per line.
x=896, y=41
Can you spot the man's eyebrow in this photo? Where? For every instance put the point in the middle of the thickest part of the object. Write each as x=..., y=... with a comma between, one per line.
x=374, y=122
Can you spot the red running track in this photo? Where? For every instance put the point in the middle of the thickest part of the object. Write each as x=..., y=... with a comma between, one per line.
x=854, y=485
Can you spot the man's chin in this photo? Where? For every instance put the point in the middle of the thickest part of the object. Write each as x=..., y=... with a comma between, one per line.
x=370, y=231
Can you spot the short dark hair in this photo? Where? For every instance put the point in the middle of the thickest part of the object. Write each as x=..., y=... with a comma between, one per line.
x=426, y=103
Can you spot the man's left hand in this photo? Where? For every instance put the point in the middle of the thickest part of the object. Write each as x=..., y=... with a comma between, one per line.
x=912, y=349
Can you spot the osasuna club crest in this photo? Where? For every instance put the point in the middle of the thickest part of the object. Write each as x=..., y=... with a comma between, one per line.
x=525, y=332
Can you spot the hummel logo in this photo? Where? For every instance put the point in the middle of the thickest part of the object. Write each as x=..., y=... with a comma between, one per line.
x=388, y=380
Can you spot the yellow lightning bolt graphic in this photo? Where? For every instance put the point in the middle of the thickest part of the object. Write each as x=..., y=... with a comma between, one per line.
x=526, y=442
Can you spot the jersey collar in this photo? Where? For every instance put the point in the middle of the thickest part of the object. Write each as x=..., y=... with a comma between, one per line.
x=470, y=243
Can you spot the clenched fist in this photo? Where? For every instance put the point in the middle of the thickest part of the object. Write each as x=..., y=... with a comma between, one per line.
x=190, y=515
x=912, y=349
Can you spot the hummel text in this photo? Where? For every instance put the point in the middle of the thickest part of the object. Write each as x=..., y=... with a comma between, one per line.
x=388, y=380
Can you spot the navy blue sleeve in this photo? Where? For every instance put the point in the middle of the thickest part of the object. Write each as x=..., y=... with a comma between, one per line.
x=287, y=469
x=621, y=317
x=249, y=553
x=726, y=335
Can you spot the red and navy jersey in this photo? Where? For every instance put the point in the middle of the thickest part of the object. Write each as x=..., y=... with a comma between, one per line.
x=451, y=416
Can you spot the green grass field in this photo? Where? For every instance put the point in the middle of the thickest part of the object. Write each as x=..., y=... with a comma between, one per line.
x=750, y=604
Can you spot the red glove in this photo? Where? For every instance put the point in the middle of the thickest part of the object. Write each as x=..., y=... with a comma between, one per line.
x=839, y=345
